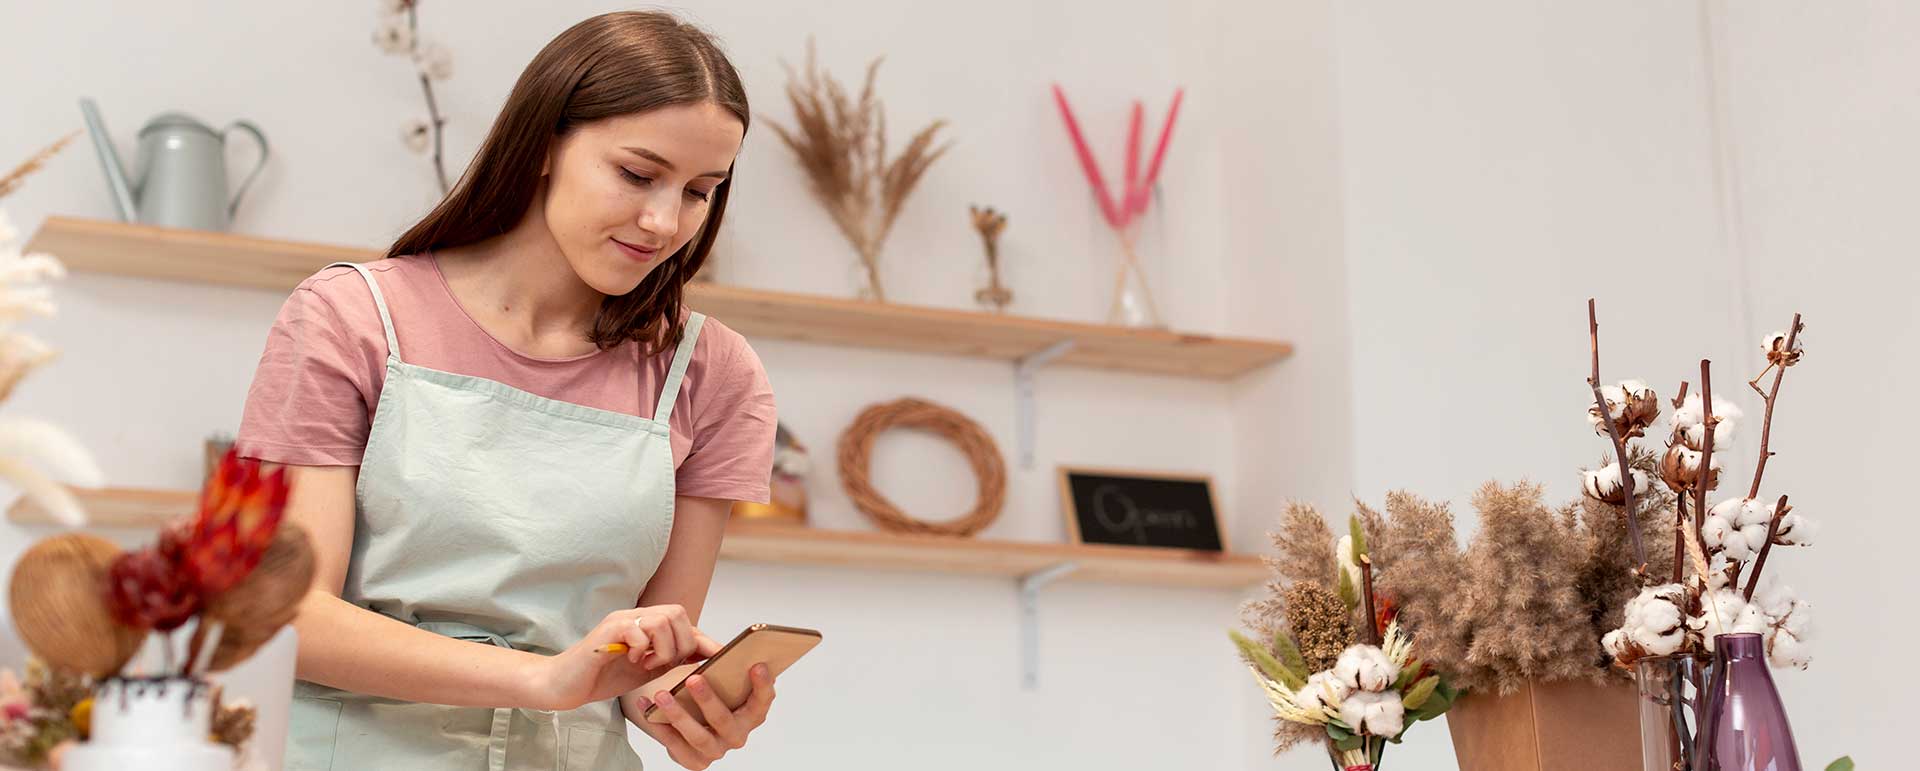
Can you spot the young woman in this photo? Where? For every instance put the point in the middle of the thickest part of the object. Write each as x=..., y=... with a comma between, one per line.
x=512, y=445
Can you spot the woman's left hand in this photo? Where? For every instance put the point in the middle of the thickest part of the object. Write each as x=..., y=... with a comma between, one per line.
x=695, y=746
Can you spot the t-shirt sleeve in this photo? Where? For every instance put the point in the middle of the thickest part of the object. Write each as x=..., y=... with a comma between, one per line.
x=308, y=404
x=732, y=452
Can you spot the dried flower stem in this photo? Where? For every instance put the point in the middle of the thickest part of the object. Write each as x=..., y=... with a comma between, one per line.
x=433, y=107
x=1773, y=526
x=1619, y=445
x=14, y=178
x=1766, y=423
x=1680, y=508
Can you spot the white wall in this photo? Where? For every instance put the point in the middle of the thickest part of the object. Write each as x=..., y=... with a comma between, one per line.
x=1504, y=161
x=916, y=667
x=1822, y=103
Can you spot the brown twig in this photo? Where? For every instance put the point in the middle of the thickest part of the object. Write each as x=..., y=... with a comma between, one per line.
x=1766, y=423
x=1706, y=448
x=1773, y=526
x=433, y=107
x=1619, y=445
x=1679, y=537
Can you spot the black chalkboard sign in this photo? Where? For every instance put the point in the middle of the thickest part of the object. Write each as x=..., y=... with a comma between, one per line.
x=1125, y=508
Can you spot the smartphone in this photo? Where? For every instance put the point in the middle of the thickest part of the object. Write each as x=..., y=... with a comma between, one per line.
x=726, y=672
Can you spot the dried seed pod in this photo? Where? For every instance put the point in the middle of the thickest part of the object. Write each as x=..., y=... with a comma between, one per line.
x=1680, y=469
x=58, y=601
x=268, y=598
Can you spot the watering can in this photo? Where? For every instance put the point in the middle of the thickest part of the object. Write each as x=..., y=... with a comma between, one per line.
x=180, y=179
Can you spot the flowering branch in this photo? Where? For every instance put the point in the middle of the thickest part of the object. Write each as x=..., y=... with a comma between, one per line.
x=1679, y=510
x=1778, y=360
x=1619, y=445
x=1773, y=527
x=1707, y=477
x=399, y=33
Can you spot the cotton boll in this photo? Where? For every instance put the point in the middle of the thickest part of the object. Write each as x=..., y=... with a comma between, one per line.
x=1653, y=620
x=1615, y=643
x=1680, y=467
x=1380, y=714
x=1322, y=690
x=1783, y=610
x=393, y=36
x=1796, y=530
x=1365, y=668
x=1787, y=649
x=1631, y=405
x=1689, y=422
x=1717, y=533
x=1727, y=612
x=1603, y=484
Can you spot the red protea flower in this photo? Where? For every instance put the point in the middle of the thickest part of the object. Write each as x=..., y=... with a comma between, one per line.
x=145, y=590
x=240, y=509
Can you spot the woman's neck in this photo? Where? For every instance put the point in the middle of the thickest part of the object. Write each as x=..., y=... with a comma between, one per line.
x=521, y=288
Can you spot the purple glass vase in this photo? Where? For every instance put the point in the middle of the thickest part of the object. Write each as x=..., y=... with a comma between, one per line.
x=1743, y=725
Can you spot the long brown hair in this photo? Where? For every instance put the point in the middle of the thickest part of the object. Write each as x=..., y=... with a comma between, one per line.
x=613, y=64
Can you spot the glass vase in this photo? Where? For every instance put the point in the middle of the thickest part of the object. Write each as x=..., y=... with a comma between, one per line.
x=1743, y=724
x=1667, y=686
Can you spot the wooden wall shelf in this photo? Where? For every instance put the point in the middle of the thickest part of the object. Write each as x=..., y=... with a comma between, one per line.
x=790, y=545
x=234, y=260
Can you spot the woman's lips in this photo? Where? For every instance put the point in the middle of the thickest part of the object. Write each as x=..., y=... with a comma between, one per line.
x=639, y=254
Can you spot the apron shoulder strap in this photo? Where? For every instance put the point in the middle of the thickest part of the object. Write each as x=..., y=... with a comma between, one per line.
x=380, y=302
x=670, y=390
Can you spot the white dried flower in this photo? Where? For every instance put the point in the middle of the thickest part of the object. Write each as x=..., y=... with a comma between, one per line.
x=1719, y=535
x=1379, y=714
x=1680, y=468
x=1787, y=649
x=1725, y=611
x=1796, y=530
x=418, y=135
x=1775, y=347
x=1365, y=668
x=1322, y=691
x=1654, y=621
x=393, y=35
x=1603, y=484
x=1615, y=643
x=1631, y=405
x=434, y=61
x=1689, y=423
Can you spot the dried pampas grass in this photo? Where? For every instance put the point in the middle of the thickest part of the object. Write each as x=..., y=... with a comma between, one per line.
x=841, y=143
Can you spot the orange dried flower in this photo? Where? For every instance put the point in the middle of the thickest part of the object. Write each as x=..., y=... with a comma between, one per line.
x=240, y=509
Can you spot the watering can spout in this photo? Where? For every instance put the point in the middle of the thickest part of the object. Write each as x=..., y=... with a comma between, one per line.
x=109, y=161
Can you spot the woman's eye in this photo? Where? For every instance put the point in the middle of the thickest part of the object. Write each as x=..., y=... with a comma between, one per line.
x=700, y=194
x=634, y=178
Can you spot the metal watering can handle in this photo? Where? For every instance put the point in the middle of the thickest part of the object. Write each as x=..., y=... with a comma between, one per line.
x=261, y=138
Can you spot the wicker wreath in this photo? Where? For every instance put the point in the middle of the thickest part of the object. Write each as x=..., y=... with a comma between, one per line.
x=856, y=449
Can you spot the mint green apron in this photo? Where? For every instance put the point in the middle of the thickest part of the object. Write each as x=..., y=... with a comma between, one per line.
x=490, y=514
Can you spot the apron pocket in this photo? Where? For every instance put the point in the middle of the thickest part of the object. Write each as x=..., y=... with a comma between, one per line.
x=311, y=727
x=591, y=749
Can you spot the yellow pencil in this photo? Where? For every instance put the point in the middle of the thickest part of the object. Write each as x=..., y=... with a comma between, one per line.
x=611, y=648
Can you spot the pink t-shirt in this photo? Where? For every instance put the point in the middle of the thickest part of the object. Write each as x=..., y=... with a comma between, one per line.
x=319, y=380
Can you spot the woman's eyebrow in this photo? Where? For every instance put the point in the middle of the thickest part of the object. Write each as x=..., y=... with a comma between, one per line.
x=657, y=158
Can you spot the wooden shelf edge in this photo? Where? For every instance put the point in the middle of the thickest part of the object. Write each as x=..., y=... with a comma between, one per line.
x=145, y=251
x=801, y=545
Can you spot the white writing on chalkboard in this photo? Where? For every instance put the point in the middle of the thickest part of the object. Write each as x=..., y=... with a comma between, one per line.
x=1121, y=516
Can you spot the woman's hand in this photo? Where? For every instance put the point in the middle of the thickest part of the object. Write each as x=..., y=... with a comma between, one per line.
x=657, y=637
x=692, y=745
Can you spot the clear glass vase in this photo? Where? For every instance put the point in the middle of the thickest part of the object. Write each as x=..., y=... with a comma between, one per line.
x=1667, y=688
